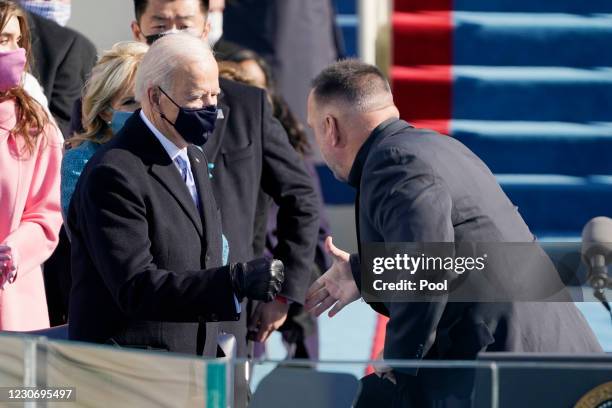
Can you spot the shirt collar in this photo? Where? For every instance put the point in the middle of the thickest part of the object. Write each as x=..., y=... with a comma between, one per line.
x=170, y=148
x=354, y=178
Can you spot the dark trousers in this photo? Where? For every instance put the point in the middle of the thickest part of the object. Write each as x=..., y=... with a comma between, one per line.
x=56, y=272
x=431, y=388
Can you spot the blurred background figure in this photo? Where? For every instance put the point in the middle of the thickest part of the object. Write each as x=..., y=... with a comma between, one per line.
x=221, y=46
x=297, y=38
x=299, y=332
x=30, y=156
x=215, y=21
x=108, y=100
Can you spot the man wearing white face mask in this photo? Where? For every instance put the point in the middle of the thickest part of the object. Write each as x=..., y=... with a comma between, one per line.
x=215, y=18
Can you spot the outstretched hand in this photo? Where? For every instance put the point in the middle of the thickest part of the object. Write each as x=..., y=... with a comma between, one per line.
x=336, y=288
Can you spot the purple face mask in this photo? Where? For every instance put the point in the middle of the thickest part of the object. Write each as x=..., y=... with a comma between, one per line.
x=12, y=64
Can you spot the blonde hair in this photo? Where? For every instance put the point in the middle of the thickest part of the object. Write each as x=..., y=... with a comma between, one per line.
x=114, y=72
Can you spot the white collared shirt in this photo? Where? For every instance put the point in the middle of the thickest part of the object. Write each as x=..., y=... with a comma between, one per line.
x=170, y=148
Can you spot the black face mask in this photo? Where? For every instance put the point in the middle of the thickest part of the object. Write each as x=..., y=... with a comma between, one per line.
x=150, y=39
x=195, y=125
x=153, y=37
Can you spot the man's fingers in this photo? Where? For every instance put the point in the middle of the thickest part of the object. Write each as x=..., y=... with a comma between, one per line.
x=316, y=298
x=324, y=305
x=315, y=287
x=255, y=318
x=264, y=332
x=337, y=307
x=338, y=254
x=330, y=247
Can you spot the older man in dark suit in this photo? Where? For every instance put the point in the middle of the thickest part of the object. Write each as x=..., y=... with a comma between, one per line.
x=417, y=186
x=146, y=229
x=248, y=152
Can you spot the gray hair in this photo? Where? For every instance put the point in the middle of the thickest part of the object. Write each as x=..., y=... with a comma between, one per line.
x=164, y=57
x=360, y=85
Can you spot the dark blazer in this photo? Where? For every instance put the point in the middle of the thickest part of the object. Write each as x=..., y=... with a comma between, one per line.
x=145, y=262
x=419, y=186
x=63, y=58
x=250, y=152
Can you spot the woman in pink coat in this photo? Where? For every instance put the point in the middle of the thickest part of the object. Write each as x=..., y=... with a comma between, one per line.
x=30, y=158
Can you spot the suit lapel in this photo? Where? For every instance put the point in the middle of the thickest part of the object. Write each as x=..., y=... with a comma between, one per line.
x=207, y=201
x=161, y=166
x=169, y=177
x=213, y=145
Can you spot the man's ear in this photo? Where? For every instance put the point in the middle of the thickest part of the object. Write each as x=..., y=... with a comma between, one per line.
x=153, y=96
x=136, y=32
x=206, y=30
x=333, y=131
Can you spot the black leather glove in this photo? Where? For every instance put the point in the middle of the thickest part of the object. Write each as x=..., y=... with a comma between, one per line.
x=260, y=279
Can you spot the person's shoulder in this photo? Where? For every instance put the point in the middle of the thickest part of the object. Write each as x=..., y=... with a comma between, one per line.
x=412, y=141
x=408, y=147
x=111, y=162
x=83, y=43
x=50, y=30
x=118, y=152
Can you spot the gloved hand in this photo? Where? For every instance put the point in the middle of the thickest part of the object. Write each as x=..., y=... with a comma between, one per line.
x=260, y=279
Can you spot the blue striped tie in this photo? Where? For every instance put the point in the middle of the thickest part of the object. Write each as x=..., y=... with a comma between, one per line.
x=188, y=179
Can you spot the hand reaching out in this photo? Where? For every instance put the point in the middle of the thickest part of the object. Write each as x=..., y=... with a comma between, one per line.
x=267, y=318
x=336, y=287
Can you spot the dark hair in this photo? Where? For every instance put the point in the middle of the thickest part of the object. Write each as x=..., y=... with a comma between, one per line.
x=140, y=6
x=31, y=117
x=351, y=81
x=243, y=55
x=280, y=109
